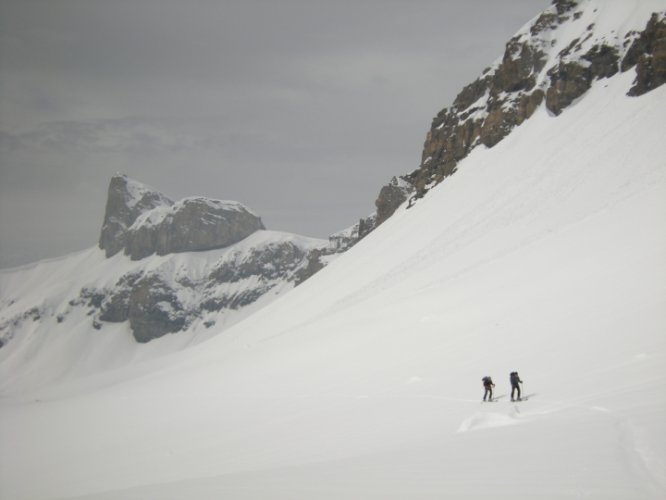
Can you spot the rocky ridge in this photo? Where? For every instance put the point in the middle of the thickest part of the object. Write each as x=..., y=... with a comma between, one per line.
x=142, y=222
x=167, y=298
x=157, y=296
x=552, y=61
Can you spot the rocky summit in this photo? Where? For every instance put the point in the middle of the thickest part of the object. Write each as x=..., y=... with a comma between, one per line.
x=143, y=222
x=127, y=199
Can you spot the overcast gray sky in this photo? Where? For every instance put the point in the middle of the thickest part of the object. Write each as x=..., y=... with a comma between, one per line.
x=300, y=109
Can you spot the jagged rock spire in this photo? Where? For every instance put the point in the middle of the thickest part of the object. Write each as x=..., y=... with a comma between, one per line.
x=127, y=199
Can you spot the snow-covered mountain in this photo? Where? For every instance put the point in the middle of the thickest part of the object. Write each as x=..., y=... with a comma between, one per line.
x=192, y=267
x=85, y=313
x=543, y=254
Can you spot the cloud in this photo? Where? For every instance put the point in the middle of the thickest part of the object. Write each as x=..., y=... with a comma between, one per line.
x=126, y=135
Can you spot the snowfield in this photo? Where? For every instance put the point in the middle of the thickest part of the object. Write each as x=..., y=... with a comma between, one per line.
x=544, y=255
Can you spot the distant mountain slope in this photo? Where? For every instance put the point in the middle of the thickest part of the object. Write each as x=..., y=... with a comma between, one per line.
x=191, y=267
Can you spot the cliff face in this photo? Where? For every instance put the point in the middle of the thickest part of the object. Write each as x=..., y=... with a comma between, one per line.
x=126, y=201
x=142, y=222
x=190, y=225
x=648, y=54
x=552, y=61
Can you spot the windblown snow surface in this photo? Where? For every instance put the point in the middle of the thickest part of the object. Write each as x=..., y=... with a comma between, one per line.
x=545, y=254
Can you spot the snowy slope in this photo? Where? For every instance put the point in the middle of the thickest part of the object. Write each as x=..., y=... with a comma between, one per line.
x=544, y=254
x=47, y=315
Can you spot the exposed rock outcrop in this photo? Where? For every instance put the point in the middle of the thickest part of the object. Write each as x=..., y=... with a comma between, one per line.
x=156, y=301
x=391, y=196
x=126, y=201
x=569, y=79
x=648, y=54
x=190, y=225
x=154, y=309
x=142, y=221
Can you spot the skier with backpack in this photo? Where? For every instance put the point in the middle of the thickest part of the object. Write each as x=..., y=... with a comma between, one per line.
x=515, y=385
x=488, y=386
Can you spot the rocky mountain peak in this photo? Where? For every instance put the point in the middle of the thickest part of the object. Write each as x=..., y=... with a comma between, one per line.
x=127, y=200
x=142, y=221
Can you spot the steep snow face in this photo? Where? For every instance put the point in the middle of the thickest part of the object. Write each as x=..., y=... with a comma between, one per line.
x=82, y=314
x=543, y=255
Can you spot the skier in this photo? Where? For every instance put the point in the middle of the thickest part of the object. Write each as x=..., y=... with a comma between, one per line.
x=488, y=386
x=515, y=384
